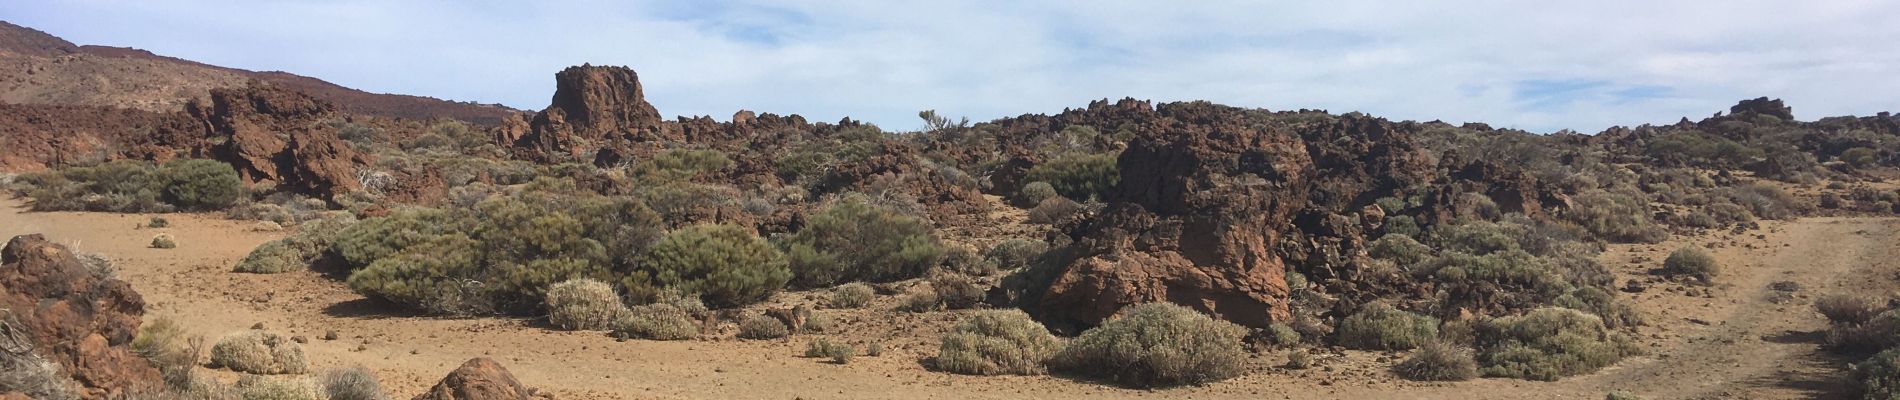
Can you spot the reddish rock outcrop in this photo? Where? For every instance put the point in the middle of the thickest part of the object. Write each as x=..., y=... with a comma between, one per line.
x=478, y=379
x=62, y=311
x=279, y=136
x=595, y=109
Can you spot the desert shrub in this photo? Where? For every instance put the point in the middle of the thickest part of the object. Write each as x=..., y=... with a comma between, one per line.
x=164, y=241
x=28, y=374
x=1157, y=344
x=925, y=301
x=272, y=257
x=762, y=327
x=1692, y=261
x=1830, y=200
x=1400, y=249
x=1379, y=326
x=1438, y=361
x=1036, y=192
x=354, y=383
x=584, y=304
x=1859, y=157
x=997, y=343
x=200, y=184
x=965, y=260
x=1618, y=395
x=158, y=222
x=296, y=251
x=1879, y=376
x=1054, y=210
x=1402, y=225
x=838, y=352
x=1846, y=309
x=1548, y=343
x=851, y=295
x=1078, y=176
x=1281, y=334
x=1765, y=201
x=1016, y=253
x=373, y=239
x=253, y=387
x=727, y=265
x=118, y=186
x=165, y=343
x=1615, y=217
x=658, y=321
x=429, y=276
x=1880, y=332
x=258, y=352
x=956, y=292
x=680, y=164
x=855, y=241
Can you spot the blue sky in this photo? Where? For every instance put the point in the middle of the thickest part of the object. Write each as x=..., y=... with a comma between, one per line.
x=1540, y=66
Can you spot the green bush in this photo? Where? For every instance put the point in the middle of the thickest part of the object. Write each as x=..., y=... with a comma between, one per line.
x=1547, y=344
x=584, y=304
x=272, y=257
x=1054, y=210
x=1860, y=157
x=855, y=241
x=1016, y=253
x=1766, y=201
x=825, y=348
x=118, y=186
x=726, y=264
x=1879, y=376
x=1379, y=326
x=679, y=165
x=430, y=276
x=997, y=343
x=956, y=292
x=296, y=251
x=1036, y=192
x=1400, y=249
x=376, y=238
x=762, y=327
x=1880, y=332
x=1078, y=176
x=658, y=321
x=1438, y=361
x=200, y=184
x=1615, y=217
x=158, y=222
x=1692, y=261
x=164, y=241
x=851, y=295
x=1157, y=344
x=354, y=383
x=258, y=352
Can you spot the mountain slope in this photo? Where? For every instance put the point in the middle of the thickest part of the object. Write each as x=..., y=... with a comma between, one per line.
x=39, y=68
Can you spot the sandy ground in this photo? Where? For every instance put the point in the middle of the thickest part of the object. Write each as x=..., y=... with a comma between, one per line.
x=1737, y=339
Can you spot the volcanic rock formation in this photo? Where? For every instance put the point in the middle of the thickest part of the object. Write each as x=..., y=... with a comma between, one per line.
x=596, y=109
x=277, y=135
x=54, y=307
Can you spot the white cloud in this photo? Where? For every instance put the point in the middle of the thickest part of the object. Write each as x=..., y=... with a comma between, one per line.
x=1644, y=61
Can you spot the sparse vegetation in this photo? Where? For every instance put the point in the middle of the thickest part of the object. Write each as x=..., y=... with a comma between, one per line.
x=1547, y=344
x=584, y=304
x=136, y=186
x=762, y=327
x=1157, y=344
x=1016, y=253
x=1438, y=361
x=838, y=352
x=658, y=321
x=164, y=241
x=725, y=264
x=258, y=352
x=851, y=295
x=997, y=343
x=1379, y=326
x=1691, y=261
x=1078, y=176
x=354, y=383
x=1842, y=309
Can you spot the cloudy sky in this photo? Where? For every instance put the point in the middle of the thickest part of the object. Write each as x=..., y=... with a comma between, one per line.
x=1533, y=65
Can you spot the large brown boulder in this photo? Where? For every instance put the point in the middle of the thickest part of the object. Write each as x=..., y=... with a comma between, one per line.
x=595, y=109
x=478, y=379
x=279, y=136
x=55, y=307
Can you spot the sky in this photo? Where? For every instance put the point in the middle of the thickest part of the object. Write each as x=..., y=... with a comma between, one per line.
x=1534, y=65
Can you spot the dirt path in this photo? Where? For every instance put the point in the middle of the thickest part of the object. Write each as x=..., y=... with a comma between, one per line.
x=1746, y=344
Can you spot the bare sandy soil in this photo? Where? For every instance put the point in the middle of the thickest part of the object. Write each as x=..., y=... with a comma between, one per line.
x=1737, y=339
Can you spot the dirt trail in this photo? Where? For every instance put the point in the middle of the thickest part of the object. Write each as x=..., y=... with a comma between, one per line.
x=1750, y=347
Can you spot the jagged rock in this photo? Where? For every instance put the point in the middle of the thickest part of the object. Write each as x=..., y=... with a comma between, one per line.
x=478, y=379
x=52, y=305
x=276, y=135
x=1764, y=106
x=594, y=108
